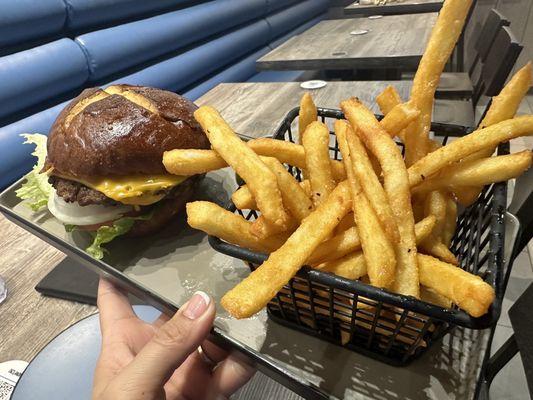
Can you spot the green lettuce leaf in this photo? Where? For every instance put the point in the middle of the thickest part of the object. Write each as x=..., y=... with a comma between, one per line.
x=36, y=189
x=105, y=234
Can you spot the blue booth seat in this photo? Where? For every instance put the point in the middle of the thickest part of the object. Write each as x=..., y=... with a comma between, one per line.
x=118, y=48
x=23, y=20
x=87, y=13
x=288, y=19
x=239, y=72
x=18, y=160
x=181, y=71
x=302, y=28
x=273, y=5
x=32, y=76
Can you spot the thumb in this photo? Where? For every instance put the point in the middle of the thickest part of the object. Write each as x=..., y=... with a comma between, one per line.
x=170, y=346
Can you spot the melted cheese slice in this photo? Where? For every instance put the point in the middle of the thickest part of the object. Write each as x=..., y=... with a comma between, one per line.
x=139, y=190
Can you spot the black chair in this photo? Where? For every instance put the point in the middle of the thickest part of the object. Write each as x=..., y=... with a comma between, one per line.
x=499, y=62
x=459, y=85
x=520, y=312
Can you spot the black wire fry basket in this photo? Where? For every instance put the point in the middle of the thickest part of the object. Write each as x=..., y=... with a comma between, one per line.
x=387, y=326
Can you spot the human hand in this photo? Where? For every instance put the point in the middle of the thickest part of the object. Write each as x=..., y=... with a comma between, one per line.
x=139, y=360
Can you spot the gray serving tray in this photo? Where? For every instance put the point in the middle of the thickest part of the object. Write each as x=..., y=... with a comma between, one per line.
x=165, y=269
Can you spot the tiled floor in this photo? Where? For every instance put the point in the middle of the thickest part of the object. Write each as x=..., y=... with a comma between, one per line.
x=511, y=383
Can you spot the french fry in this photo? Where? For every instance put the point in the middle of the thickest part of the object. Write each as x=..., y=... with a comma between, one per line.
x=307, y=114
x=438, y=249
x=460, y=148
x=346, y=223
x=503, y=106
x=292, y=154
x=368, y=180
x=506, y=103
x=430, y=296
x=348, y=241
x=377, y=249
x=263, y=228
x=466, y=195
x=466, y=290
x=451, y=221
x=397, y=189
x=286, y=152
x=442, y=40
x=216, y=221
x=306, y=187
x=244, y=200
x=388, y=99
x=294, y=198
x=189, y=162
x=255, y=291
x=424, y=228
x=398, y=118
x=436, y=206
x=338, y=246
x=260, y=179
x=479, y=172
x=455, y=285
x=352, y=265
x=317, y=162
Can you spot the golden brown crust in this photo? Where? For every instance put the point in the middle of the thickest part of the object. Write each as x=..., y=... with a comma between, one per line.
x=116, y=135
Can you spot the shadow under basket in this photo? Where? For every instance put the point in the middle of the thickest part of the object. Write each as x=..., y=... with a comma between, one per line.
x=393, y=328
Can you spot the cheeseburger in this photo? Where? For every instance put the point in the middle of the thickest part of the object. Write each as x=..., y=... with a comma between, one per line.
x=104, y=161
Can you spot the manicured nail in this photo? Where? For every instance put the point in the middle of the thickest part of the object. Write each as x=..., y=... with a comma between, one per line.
x=197, y=305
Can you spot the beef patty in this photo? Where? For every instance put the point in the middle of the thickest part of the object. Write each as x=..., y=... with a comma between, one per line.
x=72, y=191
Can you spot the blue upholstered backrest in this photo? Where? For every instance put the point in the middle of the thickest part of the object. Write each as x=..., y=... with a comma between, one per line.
x=181, y=45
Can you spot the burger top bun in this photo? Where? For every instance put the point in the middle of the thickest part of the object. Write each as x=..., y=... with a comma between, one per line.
x=121, y=130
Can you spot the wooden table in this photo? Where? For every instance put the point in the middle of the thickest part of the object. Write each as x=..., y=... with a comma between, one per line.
x=394, y=42
x=257, y=109
x=395, y=8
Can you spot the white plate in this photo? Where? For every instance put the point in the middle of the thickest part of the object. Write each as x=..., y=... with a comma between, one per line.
x=316, y=84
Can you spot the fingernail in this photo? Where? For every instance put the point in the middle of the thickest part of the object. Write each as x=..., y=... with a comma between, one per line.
x=197, y=305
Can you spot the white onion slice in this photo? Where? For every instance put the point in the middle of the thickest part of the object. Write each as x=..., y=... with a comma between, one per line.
x=74, y=214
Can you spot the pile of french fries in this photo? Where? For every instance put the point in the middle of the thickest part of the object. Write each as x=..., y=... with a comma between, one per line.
x=374, y=215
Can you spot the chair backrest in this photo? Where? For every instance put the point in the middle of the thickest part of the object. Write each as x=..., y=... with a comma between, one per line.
x=522, y=206
x=494, y=22
x=499, y=62
x=485, y=37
